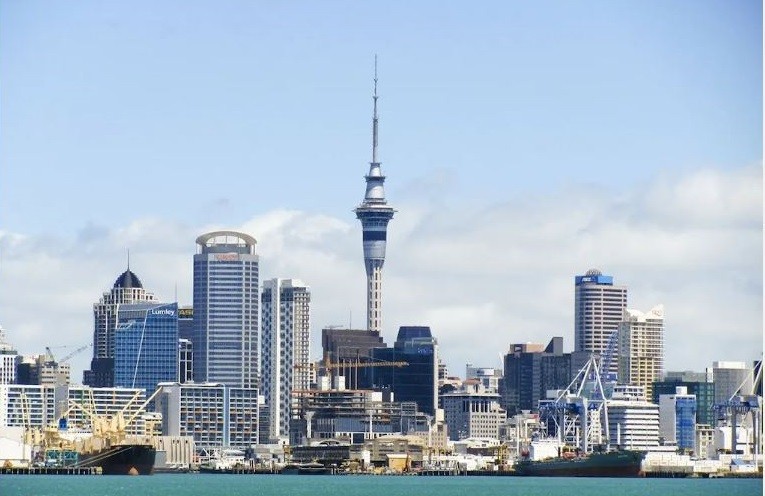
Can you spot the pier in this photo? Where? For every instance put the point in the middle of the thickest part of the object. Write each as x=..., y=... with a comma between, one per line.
x=50, y=470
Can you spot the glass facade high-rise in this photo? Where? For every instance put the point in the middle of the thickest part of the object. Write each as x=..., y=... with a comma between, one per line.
x=598, y=307
x=285, y=352
x=226, y=302
x=418, y=380
x=677, y=418
x=146, y=345
x=127, y=290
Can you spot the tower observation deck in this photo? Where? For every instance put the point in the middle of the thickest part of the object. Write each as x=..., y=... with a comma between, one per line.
x=374, y=214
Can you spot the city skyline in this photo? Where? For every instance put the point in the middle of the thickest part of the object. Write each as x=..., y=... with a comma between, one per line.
x=514, y=162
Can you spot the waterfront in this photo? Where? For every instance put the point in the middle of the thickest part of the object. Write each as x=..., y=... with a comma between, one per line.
x=277, y=485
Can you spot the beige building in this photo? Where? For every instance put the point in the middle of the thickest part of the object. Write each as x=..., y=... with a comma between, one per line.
x=641, y=348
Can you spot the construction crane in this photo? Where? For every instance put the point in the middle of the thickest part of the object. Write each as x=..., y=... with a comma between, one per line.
x=75, y=352
x=49, y=357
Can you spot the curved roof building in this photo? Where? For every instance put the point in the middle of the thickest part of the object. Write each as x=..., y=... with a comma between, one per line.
x=127, y=289
x=225, y=336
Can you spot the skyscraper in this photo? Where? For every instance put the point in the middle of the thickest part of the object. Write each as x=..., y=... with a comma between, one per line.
x=598, y=307
x=127, y=289
x=641, y=348
x=285, y=348
x=225, y=337
x=374, y=214
x=146, y=346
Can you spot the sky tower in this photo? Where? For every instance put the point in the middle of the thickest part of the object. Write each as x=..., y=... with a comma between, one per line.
x=374, y=214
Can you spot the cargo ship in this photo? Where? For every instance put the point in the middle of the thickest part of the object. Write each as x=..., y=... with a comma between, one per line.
x=612, y=464
x=121, y=459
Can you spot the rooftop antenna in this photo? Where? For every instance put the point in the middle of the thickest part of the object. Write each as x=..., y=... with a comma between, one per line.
x=128, y=259
x=374, y=119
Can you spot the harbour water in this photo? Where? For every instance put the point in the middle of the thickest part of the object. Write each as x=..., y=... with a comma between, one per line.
x=309, y=485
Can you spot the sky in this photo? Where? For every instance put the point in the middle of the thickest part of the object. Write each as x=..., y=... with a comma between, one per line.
x=523, y=143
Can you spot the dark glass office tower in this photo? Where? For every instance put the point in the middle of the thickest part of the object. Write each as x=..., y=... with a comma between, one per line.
x=418, y=380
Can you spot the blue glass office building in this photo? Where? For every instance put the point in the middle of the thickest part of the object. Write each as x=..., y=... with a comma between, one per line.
x=685, y=422
x=146, y=345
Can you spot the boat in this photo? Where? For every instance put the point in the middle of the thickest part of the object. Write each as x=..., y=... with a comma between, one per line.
x=313, y=468
x=223, y=460
x=121, y=459
x=626, y=463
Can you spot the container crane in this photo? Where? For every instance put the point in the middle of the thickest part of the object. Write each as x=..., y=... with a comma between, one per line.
x=739, y=406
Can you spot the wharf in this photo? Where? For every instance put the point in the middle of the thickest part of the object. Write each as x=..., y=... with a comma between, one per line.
x=466, y=473
x=50, y=470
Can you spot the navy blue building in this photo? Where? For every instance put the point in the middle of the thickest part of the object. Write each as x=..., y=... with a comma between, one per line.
x=418, y=380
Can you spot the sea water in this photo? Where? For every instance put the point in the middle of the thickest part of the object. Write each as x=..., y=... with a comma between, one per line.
x=351, y=485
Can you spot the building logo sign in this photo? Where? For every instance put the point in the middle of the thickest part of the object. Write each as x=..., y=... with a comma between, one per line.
x=163, y=311
x=227, y=257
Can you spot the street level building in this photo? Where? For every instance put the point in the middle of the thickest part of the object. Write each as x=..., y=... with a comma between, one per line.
x=473, y=412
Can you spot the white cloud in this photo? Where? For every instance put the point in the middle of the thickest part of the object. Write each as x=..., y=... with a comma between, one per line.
x=482, y=278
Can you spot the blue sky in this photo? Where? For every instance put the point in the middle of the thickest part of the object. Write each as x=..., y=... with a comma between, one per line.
x=140, y=124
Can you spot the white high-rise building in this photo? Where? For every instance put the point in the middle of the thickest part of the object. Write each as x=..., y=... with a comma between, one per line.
x=8, y=357
x=285, y=351
x=598, y=307
x=641, y=347
x=633, y=424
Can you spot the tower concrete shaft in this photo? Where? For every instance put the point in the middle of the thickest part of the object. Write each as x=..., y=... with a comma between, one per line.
x=374, y=214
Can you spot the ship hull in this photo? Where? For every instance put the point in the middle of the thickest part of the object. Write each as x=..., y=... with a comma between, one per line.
x=614, y=464
x=127, y=459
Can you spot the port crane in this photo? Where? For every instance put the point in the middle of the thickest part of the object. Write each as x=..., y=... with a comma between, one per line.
x=579, y=412
x=738, y=406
